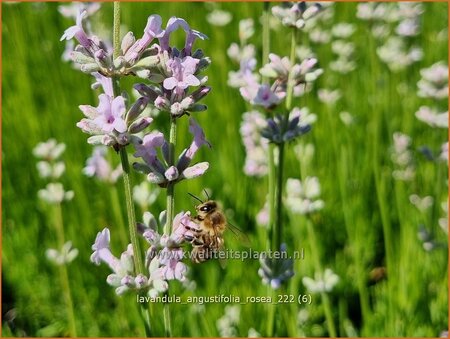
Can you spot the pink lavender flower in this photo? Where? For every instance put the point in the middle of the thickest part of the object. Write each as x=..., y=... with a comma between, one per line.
x=191, y=35
x=255, y=147
x=166, y=250
x=111, y=114
x=54, y=193
x=182, y=71
x=73, y=9
x=132, y=49
x=265, y=97
x=402, y=157
x=110, y=123
x=434, y=82
x=432, y=117
x=97, y=165
x=66, y=255
x=155, y=169
x=92, y=53
x=295, y=14
x=302, y=197
x=323, y=282
x=123, y=277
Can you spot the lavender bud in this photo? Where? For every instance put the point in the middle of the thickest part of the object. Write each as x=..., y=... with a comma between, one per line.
x=95, y=140
x=113, y=280
x=151, y=92
x=143, y=73
x=171, y=173
x=196, y=170
x=81, y=58
x=119, y=63
x=90, y=68
x=141, y=281
x=127, y=41
x=140, y=125
x=200, y=93
x=128, y=281
x=198, y=54
x=147, y=62
x=156, y=178
x=136, y=109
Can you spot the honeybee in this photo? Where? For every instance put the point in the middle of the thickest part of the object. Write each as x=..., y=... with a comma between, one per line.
x=208, y=236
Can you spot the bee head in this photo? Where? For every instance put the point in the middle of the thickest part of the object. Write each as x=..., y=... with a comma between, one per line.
x=206, y=207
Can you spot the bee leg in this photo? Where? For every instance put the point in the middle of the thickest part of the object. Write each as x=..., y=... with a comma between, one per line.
x=196, y=230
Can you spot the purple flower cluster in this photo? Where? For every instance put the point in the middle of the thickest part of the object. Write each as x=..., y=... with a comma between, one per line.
x=270, y=93
x=172, y=73
x=157, y=170
x=111, y=123
x=163, y=259
x=173, y=84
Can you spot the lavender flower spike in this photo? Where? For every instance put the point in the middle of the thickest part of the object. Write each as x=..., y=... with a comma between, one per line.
x=155, y=169
x=102, y=253
x=92, y=49
x=111, y=114
x=151, y=31
x=182, y=75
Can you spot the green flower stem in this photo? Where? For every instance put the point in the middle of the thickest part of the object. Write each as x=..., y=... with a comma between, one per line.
x=63, y=274
x=318, y=267
x=118, y=216
x=167, y=322
x=145, y=308
x=171, y=186
x=138, y=264
x=272, y=190
x=266, y=34
x=170, y=211
x=271, y=160
x=272, y=172
x=116, y=29
x=271, y=313
x=278, y=234
x=290, y=84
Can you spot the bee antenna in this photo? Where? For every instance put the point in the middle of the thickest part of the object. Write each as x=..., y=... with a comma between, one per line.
x=206, y=193
x=193, y=196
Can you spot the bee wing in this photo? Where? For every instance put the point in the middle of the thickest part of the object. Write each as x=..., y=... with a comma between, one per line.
x=240, y=235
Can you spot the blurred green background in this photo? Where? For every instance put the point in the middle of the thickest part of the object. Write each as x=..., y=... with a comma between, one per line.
x=367, y=213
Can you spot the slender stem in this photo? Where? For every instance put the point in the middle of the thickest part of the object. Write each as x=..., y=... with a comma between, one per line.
x=318, y=268
x=272, y=172
x=167, y=322
x=278, y=234
x=271, y=312
x=290, y=84
x=116, y=29
x=266, y=35
x=138, y=263
x=171, y=186
x=272, y=190
x=64, y=276
x=170, y=211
